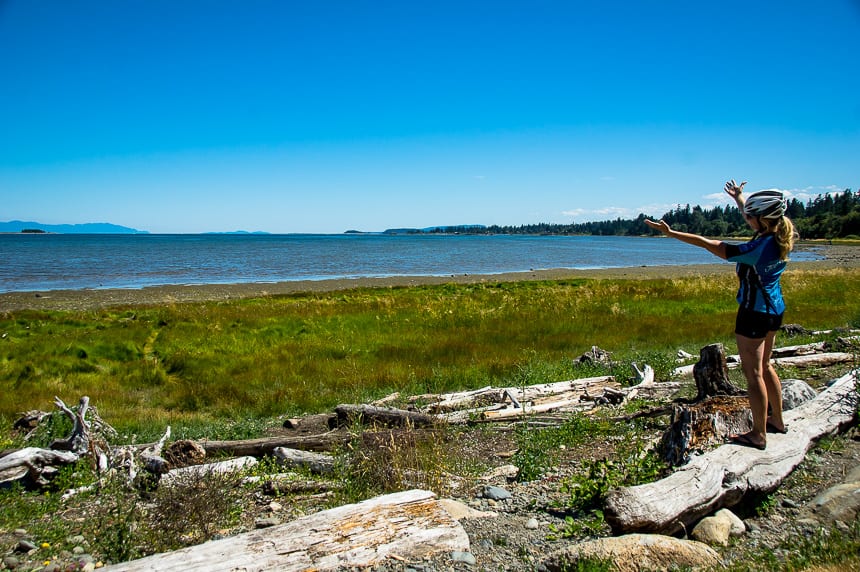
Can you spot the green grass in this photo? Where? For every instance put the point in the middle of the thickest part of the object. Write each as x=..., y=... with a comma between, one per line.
x=229, y=367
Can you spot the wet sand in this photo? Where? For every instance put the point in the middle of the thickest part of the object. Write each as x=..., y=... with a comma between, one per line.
x=836, y=256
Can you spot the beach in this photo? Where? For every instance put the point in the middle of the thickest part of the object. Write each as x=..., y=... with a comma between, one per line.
x=835, y=256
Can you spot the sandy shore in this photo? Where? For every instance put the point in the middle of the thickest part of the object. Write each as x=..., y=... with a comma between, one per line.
x=836, y=256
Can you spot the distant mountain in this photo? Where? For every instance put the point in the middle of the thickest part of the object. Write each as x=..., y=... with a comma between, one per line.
x=86, y=228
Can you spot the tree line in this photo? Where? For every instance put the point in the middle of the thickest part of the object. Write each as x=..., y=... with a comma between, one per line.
x=826, y=216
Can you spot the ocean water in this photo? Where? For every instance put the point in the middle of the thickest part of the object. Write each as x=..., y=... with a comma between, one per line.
x=38, y=262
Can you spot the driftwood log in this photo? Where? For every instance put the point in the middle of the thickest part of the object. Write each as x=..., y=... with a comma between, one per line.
x=406, y=526
x=385, y=416
x=316, y=463
x=31, y=463
x=193, y=472
x=266, y=445
x=34, y=465
x=809, y=360
x=722, y=477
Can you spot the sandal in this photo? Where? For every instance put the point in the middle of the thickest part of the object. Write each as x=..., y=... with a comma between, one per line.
x=771, y=428
x=745, y=441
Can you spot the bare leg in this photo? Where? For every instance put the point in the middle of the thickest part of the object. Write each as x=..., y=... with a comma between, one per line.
x=772, y=384
x=752, y=354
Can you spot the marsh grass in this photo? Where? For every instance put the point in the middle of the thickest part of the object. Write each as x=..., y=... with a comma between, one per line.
x=228, y=367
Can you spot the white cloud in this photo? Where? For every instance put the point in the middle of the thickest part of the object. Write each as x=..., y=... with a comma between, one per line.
x=613, y=212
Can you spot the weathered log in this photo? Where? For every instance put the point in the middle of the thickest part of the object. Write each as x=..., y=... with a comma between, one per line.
x=800, y=350
x=31, y=462
x=410, y=526
x=529, y=409
x=711, y=373
x=722, y=477
x=316, y=463
x=816, y=360
x=488, y=396
x=386, y=416
x=449, y=401
x=811, y=360
x=196, y=471
x=265, y=445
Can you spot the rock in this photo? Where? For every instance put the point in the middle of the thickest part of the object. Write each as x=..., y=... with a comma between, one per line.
x=796, y=392
x=532, y=524
x=788, y=503
x=11, y=562
x=713, y=531
x=495, y=493
x=460, y=511
x=465, y=557
x=635, y=552
x=24, y=546
x=838, y=503
x=738, y=528
x=267, y=522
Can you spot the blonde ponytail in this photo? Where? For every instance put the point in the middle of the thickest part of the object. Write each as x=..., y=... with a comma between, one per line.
x=785, y=235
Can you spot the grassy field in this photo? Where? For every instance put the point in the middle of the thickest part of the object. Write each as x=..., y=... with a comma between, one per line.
x=225, y=369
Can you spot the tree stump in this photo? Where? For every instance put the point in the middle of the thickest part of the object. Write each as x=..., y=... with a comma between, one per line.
x=715, y=413
x=712, y=374
x=700, y=426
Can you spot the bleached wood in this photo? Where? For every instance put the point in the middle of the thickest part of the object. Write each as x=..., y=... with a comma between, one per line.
x=529, y=409
x=722, y=477
x=265, y=445
x=387, y=416
x=487, y=396
x=317, y=463
x=32, y=460
x=408, y=526
x=222, y=467
x=817, y=360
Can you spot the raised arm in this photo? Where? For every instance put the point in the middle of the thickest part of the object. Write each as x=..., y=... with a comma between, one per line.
x=735, y=191
x=715, y=247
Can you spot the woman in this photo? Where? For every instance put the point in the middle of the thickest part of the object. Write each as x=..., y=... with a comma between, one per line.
x=760, y=263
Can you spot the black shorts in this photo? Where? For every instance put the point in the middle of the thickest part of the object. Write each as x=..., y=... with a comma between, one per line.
x=756, y=325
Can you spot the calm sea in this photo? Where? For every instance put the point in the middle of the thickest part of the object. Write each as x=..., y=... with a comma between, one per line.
x=32, y=262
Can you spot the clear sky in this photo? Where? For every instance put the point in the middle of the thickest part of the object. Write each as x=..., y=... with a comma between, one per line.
x=324, y=116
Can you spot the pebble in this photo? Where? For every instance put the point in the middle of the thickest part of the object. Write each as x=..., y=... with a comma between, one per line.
x=495, y=493
x=465, y=557
x=532, y=524
x=25, y=546
x=10, y=562
x=788, y=503
x=267, y=522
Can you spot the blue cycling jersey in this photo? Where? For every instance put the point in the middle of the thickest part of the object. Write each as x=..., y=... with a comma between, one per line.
x=759, y=269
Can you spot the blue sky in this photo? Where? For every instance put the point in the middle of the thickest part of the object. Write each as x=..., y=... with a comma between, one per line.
x=323, y=116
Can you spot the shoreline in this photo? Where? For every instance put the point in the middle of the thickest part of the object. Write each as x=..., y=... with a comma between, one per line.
x=835, y=256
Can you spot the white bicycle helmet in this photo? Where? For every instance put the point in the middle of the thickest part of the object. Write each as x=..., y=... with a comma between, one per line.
x=766, y=204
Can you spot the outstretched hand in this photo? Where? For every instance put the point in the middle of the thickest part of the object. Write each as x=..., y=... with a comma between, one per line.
x=660, y=225
x=733, y=189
